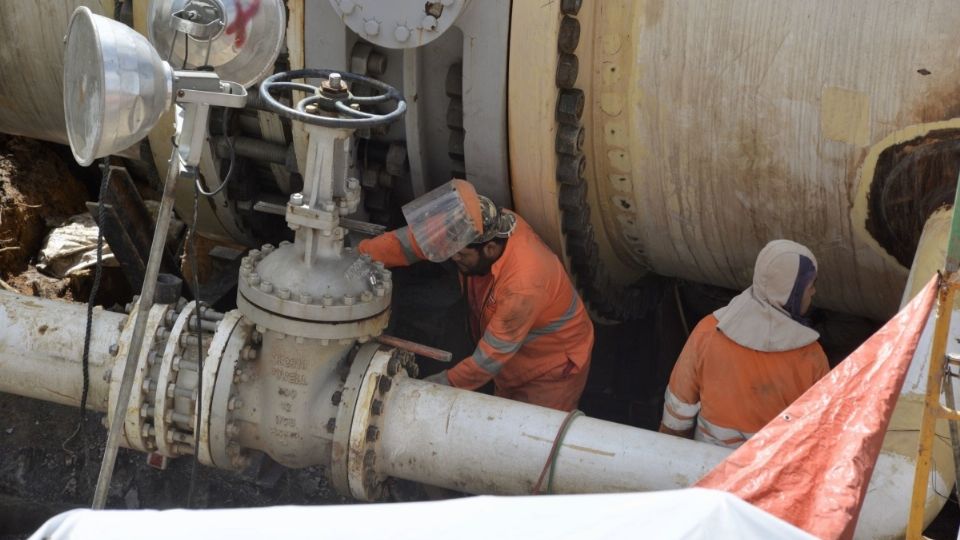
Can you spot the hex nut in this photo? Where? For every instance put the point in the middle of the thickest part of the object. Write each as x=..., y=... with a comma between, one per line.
x=283, y=293
x=570, y=139
x=570, y=105
x=327, y=300
x=570, y=169
x=567, y=69
x=348, y=300
x=568, y=7
x=429, y=23
x=393, y=366
x=384, y=384
x=569, y=35
x=369, y=459
x=266, y=287
x=331, y=425
x=371, y=28
x=296, y=199
x=306, y=298
x=373, y=433
x=376, y=407
x=336, y=397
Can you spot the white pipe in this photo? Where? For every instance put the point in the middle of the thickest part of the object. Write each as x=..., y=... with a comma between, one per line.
x=41, y=347
x=481, y=444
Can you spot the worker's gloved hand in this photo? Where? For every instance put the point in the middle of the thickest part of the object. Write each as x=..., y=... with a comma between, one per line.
x=439, y=378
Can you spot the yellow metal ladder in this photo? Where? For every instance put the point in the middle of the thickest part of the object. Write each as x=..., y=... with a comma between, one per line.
x=939, y=372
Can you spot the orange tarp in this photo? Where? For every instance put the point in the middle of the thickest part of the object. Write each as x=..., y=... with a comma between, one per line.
x=811, y=465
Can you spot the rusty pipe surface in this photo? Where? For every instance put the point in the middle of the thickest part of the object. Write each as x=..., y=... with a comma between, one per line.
x=486, y=445
x=41, y=347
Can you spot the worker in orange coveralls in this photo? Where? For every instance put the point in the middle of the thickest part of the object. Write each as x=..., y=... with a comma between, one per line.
x=746, y=362
x=534, y=336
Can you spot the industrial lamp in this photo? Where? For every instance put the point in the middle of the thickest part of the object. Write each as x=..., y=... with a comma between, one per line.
x=116, y=87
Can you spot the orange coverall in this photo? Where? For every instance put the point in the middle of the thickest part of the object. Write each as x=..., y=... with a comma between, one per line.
x=731, y=391
x=534, y=336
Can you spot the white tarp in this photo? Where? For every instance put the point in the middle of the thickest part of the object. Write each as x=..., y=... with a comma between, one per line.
x=688, y=513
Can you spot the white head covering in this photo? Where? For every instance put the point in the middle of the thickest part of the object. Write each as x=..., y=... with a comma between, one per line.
x=756, y=318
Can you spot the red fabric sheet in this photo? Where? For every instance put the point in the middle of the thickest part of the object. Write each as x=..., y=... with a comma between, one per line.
x=811, y=465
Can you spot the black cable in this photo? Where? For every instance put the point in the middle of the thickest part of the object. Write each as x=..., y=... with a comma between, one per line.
x=233, y=160
x=186, y=50
x=91, y=302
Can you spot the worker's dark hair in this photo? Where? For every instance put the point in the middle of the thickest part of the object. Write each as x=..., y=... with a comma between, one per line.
x=479, y=245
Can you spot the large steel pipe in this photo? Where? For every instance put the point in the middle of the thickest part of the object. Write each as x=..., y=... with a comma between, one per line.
x=41, y=348
x=481, y=444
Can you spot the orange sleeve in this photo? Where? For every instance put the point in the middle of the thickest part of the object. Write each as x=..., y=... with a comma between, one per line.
x=509, y=325
x=682, y=399
x=393, y=248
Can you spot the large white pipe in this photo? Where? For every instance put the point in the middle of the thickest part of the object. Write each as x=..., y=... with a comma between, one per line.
x=481, y=444
x=41, y=348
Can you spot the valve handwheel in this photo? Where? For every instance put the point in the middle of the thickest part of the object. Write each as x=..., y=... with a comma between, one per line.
x=333, y=100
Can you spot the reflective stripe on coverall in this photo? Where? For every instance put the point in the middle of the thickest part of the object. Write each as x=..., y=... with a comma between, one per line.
x=746, y=389
x=534, y=334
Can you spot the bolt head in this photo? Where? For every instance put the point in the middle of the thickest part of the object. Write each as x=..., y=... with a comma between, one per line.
x=348, y=300
x=376, y=408
x=347, y=6
x=373, y=433
x=266, y=287
x=114, y=349
x=306, y=298
x=371, y=27
x=402, y=34
x=296, y=199
x=384, y=384
x=331, y=425
x=283, y=293
x=327, y=300
x=429, y=23
x=335, y=80
x=253, y=279
x=337, y=396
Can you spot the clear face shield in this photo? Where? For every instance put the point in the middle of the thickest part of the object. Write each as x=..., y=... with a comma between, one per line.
x=445, y=220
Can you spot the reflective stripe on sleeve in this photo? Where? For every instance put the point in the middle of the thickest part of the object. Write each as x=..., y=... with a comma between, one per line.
x=557, y=324
x=405, y=245
x=677, y=415
x=719, y=435
x=486, y=363
x=500, y=345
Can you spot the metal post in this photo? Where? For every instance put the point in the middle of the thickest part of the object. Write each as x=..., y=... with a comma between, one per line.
x=932, y=409
x=140, y=325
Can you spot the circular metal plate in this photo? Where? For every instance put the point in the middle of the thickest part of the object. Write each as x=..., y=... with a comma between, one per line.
x=399, y=24
x=243, y=51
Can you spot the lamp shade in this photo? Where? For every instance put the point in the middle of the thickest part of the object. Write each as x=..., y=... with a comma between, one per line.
x=115, y=86
x=244, y=49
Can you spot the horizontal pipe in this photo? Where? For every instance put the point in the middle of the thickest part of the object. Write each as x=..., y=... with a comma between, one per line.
x=253, y=148
x=486, y=445
x=41, y=349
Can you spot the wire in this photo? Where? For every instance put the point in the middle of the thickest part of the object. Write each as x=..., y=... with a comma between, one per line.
x=91, y=302
x=230, y=168
x=186, y=50
x=551, y=464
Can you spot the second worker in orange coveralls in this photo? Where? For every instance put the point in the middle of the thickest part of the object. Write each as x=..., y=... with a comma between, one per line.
x=534, y=336
x=748, y=361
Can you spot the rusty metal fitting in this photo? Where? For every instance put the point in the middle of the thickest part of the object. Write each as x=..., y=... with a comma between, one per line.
x=569, y=35
x=570, y=168
x=376, y=407
x=369, y=459
x=336, y=397
x=570, y=105
x=567, y=69
x=384, y=384
x=570, y=7
x=331, y=425
x=570, y=139
x=373, y=433
x=393, y=366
